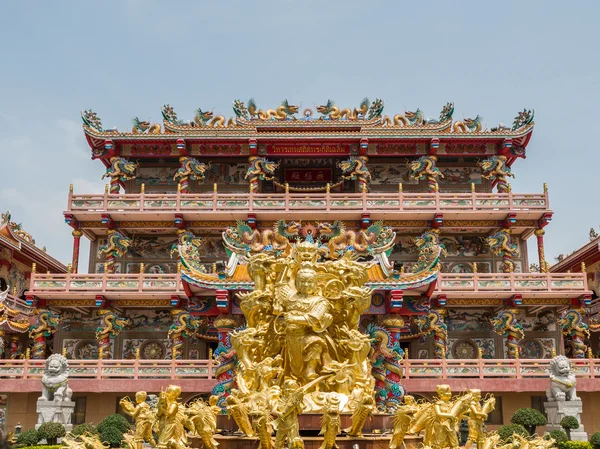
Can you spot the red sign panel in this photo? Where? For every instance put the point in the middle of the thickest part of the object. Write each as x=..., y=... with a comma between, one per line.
x=317, y=148
x=316, y=175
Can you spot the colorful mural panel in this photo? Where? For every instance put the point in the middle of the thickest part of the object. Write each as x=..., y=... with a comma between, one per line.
x=460, y=320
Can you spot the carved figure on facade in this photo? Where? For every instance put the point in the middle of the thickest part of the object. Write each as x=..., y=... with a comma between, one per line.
x=500, y=244
x=144, y=418
x=183, y=325
x=143, y=126
x=243, y=239
x=468, y=125
x=523, y=119
x=261, y=169
x=496, y=169
x=425, y=168
x=507, y=325
x=55, y=380
x=432, y=325
x=430, y=249
x=91, y=120
x=187, y=245
x=562, y=380
x=355, y=169
x=120, y=170
x=116, y=246
x=376, y=239
x=190, y=168
x=169, y=115
x=572, y=325
x=110, y=325
x=45, y=326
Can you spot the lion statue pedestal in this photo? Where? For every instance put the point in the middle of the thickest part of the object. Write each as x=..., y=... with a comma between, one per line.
x=55, y=405
x=562, y=399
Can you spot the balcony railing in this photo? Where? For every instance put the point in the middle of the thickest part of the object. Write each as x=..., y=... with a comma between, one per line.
x=526, y=205
x=532, y=284
x=204, y=369
x=145, y=285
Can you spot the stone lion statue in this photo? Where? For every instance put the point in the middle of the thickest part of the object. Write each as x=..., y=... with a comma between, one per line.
x=55, y=378
x=562, y=380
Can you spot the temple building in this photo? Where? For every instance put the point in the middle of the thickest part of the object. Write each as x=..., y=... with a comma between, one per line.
x=426, y=202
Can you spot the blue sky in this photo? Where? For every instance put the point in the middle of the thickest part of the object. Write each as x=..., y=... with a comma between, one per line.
x=127, y=58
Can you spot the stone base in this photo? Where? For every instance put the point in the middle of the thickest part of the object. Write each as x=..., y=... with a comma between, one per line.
x=557, y=410
x=60, y=412
x=368, y=441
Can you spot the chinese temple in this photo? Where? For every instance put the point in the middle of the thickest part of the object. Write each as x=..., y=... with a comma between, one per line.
x=426, y=203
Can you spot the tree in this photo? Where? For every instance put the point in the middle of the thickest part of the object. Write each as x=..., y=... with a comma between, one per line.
x=112, y=429
x=529, y=418
x=112, y=436
x=506, y=432
x=29, y=437
x=51, y=432
x=595, y=440
x=569, y=423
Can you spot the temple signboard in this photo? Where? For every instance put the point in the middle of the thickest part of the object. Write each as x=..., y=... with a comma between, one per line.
x=317, y=148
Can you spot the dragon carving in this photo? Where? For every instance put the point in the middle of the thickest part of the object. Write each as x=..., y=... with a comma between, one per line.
x=285, y=111
x=116, y=246
x=260, y=169
x=355, y=168
x=242, y=238
x=45, y=326
x=183, y=325
x=562, y=380
x=208, y=119
x=120, y=170
x=468, y=125
x=144, y=126
x=110, y=325
x=91, y=120
x=190, y=168
x=495, y=168
x=226, y=359
x=330, y=111
x=186, y=240
x=376, y=239
x=506, y=325
x=430, y=249
x=169, y=115
x=375, y=110
x=417, y=118
x=500, y=245
x=386, y=355
x=432, y=325
x=425, y=168
x=572, y=325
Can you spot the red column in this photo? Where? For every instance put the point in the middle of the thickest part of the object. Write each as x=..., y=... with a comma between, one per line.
x=76, y=241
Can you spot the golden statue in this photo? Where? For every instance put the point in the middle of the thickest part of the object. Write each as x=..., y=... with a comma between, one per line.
x=403, y=419
x=171, y=420
x=478, y=413
x=363, y=410
x=86, y=440
x=287, y=410
x=238, y=410
x=330, y=422
x=202, y=420
x=143, y=417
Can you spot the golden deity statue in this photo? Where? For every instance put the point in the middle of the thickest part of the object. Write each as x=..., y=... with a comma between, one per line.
x=403, y=419
x=143, y=418
x=202, y=420
x=238, y=410
x=171, y=420
x=478, y=413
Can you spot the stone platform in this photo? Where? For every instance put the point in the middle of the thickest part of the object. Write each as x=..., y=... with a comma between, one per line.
x=51, y=411
x=557, y=410
x=368, y=441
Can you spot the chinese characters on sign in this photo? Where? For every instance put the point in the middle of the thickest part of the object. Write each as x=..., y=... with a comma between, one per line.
x=308, y=148
x=317, y=175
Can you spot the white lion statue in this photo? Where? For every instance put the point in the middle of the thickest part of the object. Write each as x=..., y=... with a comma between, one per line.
x=562, y=380
x=55, y=378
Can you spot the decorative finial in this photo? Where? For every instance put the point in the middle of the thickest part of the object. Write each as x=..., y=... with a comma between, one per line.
x=178, y=267
x=69, y=268
x=143, y=188
x=142, y=267
x=210, y=353
x=33, y=267
x=509, y=188
x=553, y=352
x=406, y=353
x=215, y=187
x=583, y=267
x=474, y=267
x=100, y=353
x=517, y=353
x=105, y=267
x=472, y=187
x=105, y=188
x=214, y=268
x=479, y=353
x=545, y=188
x=402, y=269
x=28, y=353
x=70, y=188
x=14, y=291
x=287, y=188
x=328, y=188
x=400, y=187
x=590, y=354
x=64, y=352
x=137, y=353
x=174, y=353
x=179, y=187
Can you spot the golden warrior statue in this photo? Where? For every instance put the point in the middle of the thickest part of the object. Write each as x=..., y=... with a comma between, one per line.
x=143, y=417
x=171, y=420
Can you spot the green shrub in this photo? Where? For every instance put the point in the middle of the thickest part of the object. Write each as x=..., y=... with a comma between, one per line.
x=506, y=432
x=114, y=421
x=569, y=422
x=575, y=445
x=595, y=440
x=558, y=436
x=29, y=437
x=46, y=446
x=51, y=432
x=529, y=418
x=111, y=435
x=83, y=428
